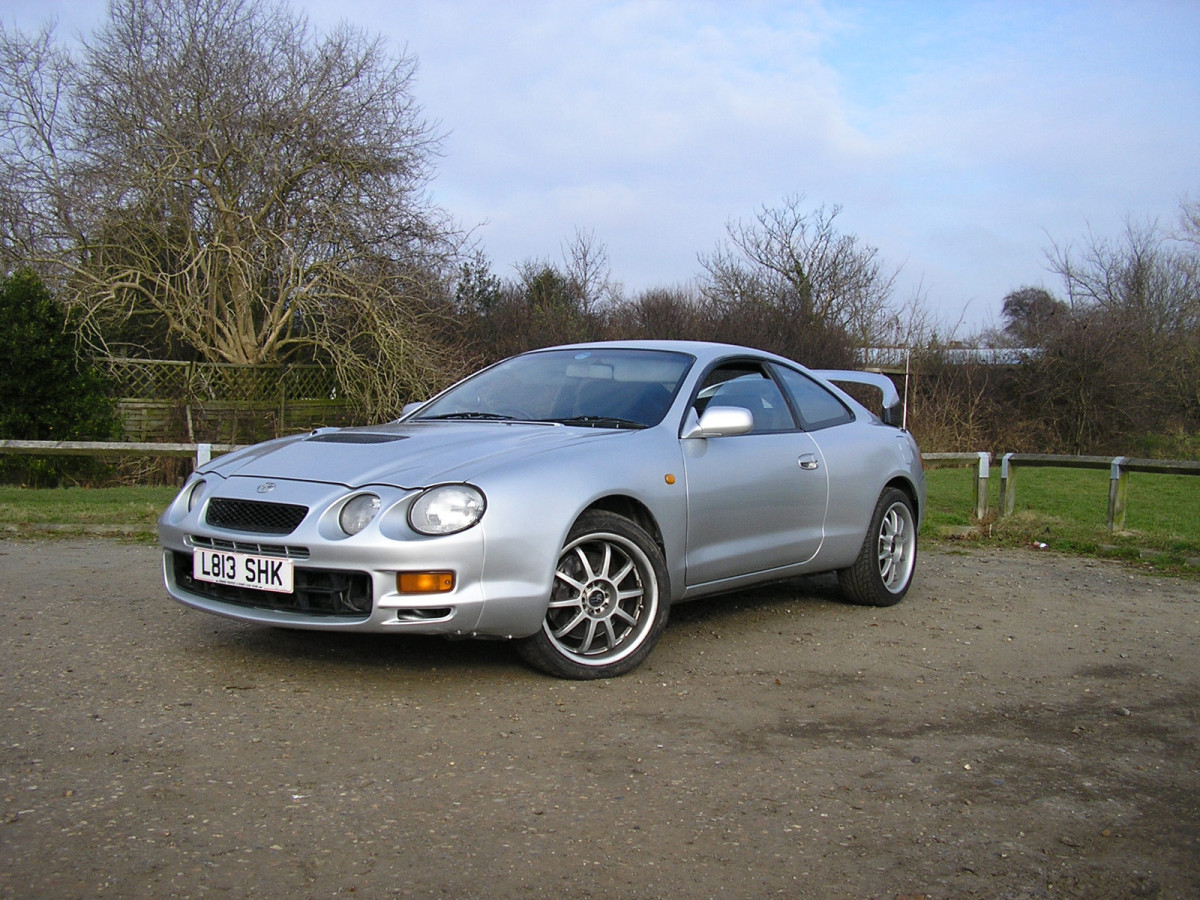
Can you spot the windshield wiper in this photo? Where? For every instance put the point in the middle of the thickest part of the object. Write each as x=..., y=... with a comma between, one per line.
x=468, y=415
x=600, y=422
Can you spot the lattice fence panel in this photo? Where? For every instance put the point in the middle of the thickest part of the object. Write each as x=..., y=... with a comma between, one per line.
x=146, y=379
x=310, y=383
x=169, y=400
x=149, y=379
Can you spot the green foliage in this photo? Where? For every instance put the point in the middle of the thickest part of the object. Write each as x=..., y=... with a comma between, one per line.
x=1171, y=445
x=477, y=291
x=47, y=393
x=1031, y=314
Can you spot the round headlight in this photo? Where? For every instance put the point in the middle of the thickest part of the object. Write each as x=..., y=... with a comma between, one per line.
x=447, y=509
x=358, y=513
x=195, y=493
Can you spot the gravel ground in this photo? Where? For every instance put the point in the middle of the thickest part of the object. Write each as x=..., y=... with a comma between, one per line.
x=1023, y=726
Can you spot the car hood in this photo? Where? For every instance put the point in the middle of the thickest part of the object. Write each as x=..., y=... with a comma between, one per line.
x=408, y=455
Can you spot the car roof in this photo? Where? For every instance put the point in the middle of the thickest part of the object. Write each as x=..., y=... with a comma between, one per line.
x=704, y=351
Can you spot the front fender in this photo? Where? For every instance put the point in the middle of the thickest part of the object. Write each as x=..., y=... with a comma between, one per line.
x=528, y=520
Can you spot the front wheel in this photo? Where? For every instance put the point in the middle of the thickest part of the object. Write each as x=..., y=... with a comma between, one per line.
x=881, y=574
x=609, y=603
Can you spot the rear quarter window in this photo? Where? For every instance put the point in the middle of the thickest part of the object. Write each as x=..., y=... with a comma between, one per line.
x=818, y=407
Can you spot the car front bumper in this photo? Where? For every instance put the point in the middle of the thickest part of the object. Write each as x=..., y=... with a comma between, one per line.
x=351, y=583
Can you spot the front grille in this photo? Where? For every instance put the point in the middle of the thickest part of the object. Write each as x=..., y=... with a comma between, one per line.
x=255, y=516
x=252, y=547
x=316, y=592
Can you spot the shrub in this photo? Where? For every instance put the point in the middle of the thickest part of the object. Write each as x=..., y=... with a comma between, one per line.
x=47, y=393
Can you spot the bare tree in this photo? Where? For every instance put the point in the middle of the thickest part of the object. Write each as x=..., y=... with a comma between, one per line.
x=1124, y=361
x=587, y=271
x=796, y=261
x=219, y=169
x=1187, y=365
x=1138, y=277
x=1189, y=221
x=35, y=178
x=659, y=314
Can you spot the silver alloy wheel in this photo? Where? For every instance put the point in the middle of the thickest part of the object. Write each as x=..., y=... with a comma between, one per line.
x=604, y=601
x=883, y=570
x=897, y=547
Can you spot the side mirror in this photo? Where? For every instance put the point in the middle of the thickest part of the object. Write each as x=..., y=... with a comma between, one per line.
x=719, y=421
x=412, y=407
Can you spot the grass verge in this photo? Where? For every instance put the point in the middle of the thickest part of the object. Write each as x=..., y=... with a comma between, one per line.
x=81, y=510
x=1067, y=510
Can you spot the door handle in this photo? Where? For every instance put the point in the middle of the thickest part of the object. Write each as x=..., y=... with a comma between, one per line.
x=808, y=461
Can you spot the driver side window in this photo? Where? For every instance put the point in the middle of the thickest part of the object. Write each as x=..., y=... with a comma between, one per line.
x=748, y=387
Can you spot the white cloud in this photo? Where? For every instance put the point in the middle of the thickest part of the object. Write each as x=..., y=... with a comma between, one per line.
x=958, y=136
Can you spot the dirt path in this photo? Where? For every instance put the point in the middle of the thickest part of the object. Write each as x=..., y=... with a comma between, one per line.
x=1022, y=726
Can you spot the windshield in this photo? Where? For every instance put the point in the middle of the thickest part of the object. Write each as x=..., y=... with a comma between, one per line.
x=596, y=387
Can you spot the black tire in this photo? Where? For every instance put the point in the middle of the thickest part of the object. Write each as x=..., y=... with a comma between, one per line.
x=881, y=574
x=609, y=603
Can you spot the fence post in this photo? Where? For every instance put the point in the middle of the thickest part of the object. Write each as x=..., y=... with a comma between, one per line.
x=283, y=429
x=981, y=484
x=1118, y=490
x=1008, y=487
x=203, y=454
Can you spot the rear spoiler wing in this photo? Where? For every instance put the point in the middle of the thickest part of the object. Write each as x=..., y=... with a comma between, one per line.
x=891, y=413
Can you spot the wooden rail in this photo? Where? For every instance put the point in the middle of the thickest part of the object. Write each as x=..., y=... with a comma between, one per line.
x=202, y=453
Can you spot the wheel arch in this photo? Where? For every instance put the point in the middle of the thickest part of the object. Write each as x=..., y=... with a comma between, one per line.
x=910, y=491
x=632, y=509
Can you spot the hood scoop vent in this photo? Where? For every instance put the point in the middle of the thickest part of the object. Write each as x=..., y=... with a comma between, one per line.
x=356, y=437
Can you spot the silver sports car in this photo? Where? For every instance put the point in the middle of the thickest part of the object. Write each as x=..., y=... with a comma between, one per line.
x=563, y=498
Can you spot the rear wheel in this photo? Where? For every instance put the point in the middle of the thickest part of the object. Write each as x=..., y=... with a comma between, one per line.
x=881, y=574
x=609, y=603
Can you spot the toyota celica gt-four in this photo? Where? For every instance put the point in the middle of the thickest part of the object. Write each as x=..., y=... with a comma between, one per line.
x=564, y=499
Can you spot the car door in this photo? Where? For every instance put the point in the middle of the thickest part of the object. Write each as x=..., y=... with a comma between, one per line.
x=857, y=456
x=756, y=501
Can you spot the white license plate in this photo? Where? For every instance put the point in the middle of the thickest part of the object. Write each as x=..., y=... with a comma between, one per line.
x=263, y=573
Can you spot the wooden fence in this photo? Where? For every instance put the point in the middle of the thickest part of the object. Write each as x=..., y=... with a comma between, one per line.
x=1118, y=485
x=1118, y=479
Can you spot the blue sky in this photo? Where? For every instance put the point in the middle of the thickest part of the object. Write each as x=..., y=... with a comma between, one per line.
x=960, y=138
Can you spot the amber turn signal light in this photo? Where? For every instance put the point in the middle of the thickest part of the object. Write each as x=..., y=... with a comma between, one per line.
x=424, y=582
